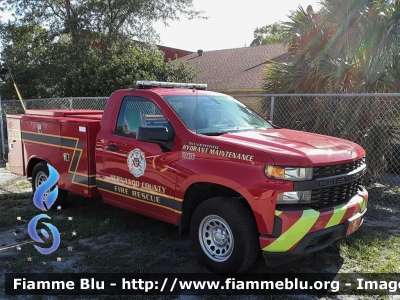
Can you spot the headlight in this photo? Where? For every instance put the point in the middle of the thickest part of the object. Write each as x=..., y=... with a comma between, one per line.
x=289, y=173
x=294, y=197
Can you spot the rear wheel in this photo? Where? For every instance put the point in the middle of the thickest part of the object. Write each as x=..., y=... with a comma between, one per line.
x=40, y=174
x=224, y=235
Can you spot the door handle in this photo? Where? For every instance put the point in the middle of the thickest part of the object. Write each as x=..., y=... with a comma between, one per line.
x=112, y=147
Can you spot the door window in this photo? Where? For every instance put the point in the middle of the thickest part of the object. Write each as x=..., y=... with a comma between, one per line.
x=135, y=112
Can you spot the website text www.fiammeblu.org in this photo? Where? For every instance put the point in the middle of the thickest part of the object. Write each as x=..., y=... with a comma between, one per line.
x=200, y=284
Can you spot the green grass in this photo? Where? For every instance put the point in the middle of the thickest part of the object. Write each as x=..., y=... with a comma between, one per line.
x=14, y=196
x=23, y=184
x=125, y=241
x=369, y=253
x=8, y=218
x=109, y=239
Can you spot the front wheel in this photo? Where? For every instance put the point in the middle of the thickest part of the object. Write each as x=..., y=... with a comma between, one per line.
x=40, y=174
x=224, y=235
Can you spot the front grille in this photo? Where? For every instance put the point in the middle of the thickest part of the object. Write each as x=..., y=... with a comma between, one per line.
x=334, y=195
x=332, y=170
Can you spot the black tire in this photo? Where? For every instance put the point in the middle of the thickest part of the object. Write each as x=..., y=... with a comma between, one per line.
x=40, y=172
x=238, y=253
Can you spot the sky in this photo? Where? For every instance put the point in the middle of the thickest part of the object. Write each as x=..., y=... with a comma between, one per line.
x=230, y=23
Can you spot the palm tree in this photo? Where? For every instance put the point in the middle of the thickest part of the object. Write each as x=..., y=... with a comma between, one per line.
x=350, y=46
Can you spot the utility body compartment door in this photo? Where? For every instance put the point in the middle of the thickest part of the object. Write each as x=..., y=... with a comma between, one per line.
x=15, y=149
x=78, y=160
x=41, y=140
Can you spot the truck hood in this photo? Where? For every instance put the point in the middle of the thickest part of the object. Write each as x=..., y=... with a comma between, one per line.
x=297, y=148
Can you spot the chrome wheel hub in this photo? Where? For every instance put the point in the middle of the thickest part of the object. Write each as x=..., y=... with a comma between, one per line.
x=216, y=238
x=40, y=178
x=220, y=237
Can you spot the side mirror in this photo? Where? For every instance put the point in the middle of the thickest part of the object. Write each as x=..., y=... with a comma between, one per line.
x=161, y=135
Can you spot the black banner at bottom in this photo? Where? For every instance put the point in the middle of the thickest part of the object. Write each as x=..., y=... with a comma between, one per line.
x=201, y=284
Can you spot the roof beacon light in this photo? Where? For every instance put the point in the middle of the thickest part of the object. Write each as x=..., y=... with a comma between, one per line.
x=152, y=84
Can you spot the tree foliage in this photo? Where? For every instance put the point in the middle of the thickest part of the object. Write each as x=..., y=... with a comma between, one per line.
x=350, y=46
x=24, y=52
x=85, y=47
x=270, y=34
x=42, y=68
x=110, y=18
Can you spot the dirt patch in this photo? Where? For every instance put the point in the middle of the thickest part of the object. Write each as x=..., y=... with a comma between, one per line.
x=383, y=220
x=10, y=183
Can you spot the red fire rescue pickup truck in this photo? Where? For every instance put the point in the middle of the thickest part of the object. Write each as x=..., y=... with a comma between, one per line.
x=204, y=162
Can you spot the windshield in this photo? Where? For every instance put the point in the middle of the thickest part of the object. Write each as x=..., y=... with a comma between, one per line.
x=214, y=115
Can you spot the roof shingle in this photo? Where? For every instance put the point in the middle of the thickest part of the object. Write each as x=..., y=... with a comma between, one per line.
x=239, y=69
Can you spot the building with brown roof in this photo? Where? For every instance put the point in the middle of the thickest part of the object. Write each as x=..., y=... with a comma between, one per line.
x=171, y=53
x=236, y=71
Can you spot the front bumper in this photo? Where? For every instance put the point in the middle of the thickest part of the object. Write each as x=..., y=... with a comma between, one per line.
x=300, y=232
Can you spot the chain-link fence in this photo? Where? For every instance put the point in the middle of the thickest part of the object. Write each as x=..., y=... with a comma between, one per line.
x=15, y=107
x=371, y=120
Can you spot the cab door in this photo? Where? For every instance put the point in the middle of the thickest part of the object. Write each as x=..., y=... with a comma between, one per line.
x=138, y=175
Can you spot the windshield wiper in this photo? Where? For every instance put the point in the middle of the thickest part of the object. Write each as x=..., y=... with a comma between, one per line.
x=215, y=133
x=233, y=130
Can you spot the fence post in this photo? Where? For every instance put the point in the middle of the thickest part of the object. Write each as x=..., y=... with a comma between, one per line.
x=271, y=113
x=70, y=103
x=3, y=150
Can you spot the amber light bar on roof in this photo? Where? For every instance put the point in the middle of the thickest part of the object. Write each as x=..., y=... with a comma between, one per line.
x=149, y=84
